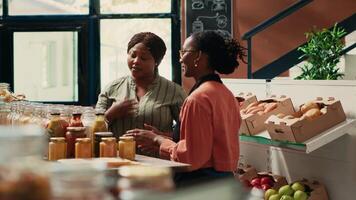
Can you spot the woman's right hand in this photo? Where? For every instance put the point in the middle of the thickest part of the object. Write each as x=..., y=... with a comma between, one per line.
x=122, y=109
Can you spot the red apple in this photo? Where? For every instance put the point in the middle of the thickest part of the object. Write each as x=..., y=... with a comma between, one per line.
x=246, y=183
x=265, y=187
x=256, y=182
x=266, y=180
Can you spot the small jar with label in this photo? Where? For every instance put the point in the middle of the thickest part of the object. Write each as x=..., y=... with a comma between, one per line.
x=127, y=147
x=57, y=148
x=108, y=147
x=72, y=134
x=97, y=139
x=83, y=148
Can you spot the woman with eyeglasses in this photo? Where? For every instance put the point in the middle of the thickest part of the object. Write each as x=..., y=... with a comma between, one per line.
x=144, y=98
x=210, y=117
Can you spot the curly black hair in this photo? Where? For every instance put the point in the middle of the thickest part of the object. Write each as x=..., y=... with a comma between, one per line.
x=154, y=43
x=223, y=54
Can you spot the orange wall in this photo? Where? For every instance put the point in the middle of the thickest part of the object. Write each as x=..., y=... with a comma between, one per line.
x=283, y=36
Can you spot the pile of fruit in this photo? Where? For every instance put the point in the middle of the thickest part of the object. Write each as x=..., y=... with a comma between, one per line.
x=310, y=111
x=295, y=191
x=260, y=107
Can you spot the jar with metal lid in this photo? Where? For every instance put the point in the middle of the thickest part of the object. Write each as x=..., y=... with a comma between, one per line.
x=23, y=173
x=97, y=139
x=136, y=182
x=72, y=134
x=127, y=147
x=57, y=148
x=99, y=123
x=79, y=181
x=83, y=148
x=108, y=147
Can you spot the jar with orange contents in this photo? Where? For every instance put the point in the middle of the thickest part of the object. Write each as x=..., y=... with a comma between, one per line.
x=127, y=147
x=83, y=148
x=108, y=147
x=57, y=148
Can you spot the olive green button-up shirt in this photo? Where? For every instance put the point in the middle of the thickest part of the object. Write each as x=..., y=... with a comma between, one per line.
x=158, y=107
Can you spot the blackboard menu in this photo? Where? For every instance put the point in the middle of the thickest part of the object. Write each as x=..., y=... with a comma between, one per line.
x=209, y=15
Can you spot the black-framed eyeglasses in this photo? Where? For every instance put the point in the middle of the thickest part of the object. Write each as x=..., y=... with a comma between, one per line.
x=182, y=52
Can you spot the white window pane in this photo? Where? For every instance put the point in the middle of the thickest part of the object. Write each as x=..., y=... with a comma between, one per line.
x=0, y=7
x=45, y=65
x=115, y=35
x=48, y=7
x=135, y=6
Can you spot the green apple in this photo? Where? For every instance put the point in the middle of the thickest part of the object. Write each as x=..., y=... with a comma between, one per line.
x=298, y=186
x=286, y=197
x=270, y=192
x=274, y=197
x=285, y=190
x=300, y=195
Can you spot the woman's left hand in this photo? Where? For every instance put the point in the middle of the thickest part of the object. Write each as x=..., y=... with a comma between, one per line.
x=148, y=136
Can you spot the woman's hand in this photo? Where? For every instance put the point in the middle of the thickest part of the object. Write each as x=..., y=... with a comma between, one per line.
x=147, y=139
x=121, y=109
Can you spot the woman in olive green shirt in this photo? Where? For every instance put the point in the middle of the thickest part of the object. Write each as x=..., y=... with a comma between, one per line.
x=144, y=97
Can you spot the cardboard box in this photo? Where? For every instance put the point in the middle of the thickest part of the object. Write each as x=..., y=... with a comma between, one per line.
x=253, y=124
x=301, y=129
x=316, y=190
x=245, y=99
x=246, y=173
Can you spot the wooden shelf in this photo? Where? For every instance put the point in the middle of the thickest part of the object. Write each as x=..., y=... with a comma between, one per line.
x=308, y=146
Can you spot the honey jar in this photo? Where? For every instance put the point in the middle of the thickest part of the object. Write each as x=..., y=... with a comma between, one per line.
x=83, y=148
x=57, y=148
x=108, y=147
x=127, y=147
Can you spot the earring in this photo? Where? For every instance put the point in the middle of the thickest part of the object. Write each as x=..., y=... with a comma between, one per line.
x=195, y=65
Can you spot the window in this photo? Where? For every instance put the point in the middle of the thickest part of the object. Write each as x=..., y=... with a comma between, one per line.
x=116, y=33
x=48, y=7
x=0, y=8
x=135, y=6
x=65, y=51
x=51, y=59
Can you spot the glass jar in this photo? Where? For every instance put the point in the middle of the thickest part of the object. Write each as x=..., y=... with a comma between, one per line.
x=5, y=93
x=72, y=134
x=57, y=148
x=23, y=174
x=83, y=148
x=76, y=120
x=88, y=119
x=127, y=147
x=108, y=147
x=97, y=139
x=99, y=123
x=79, y=182
x=136, y=182
x=56, y=126
x=5, y=113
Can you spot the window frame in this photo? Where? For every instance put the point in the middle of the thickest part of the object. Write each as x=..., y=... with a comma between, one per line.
x=88, y=27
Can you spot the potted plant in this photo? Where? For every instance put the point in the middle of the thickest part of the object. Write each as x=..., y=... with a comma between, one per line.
x=322, y=51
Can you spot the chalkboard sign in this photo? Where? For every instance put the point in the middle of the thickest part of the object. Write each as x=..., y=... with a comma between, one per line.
x=208, y=15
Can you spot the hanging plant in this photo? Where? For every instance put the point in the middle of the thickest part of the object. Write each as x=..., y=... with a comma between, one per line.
x=322, y=53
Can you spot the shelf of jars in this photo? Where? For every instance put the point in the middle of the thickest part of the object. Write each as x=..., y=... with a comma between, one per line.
x=309, y=145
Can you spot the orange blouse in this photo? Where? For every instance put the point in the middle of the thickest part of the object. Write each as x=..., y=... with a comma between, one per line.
x=210, y=120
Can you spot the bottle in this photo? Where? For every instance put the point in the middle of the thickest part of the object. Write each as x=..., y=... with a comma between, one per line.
x=56, y=127
x=75, y=120
x=99, y=123
x=127, y=147
x=97, y=139
x=136, y=182
x=72, y=134
x=83, y=148
x=57, y=148
x=108, y=147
